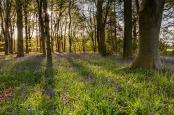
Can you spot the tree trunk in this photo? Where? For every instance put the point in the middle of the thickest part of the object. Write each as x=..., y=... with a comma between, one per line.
x=10, y=40
x=47, y=29
x=64, y=46
x=99, y=23
x=20, y=50
x=134, y=34
x=127, y=49
x=11, y=37
x=115, y=29
x=103, y=44
x=69, y=29
x=7, y=20
x=52, y=39
x=26, y=26
x=41, y=24
x=150, y=17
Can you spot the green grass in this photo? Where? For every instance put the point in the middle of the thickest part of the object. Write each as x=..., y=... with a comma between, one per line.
x=84, y=84
x=7, y=57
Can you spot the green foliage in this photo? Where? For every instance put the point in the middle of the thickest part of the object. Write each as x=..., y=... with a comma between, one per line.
x=84, y=84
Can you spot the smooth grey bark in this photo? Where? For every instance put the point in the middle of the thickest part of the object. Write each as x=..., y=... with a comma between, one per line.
x=20, y=50
x=150, y=16
x=127, y=48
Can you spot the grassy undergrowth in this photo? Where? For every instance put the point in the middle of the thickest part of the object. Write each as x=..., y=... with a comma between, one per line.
x=84, y=84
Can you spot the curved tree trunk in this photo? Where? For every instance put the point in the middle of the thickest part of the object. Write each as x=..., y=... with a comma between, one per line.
x=149, y=24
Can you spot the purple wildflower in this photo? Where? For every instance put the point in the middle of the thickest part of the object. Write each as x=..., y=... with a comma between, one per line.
x=50, y=92
x=26, y=98
x=136, y=109
x=18, y=112
x=31, y=112
x=151, y=113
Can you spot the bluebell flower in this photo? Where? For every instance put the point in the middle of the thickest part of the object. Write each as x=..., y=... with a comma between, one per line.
x=151, y=113
x=31, y=112
x=136, y=109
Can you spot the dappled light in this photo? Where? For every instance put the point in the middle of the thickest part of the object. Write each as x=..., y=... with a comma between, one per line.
x=84, y=84
x=86, y=57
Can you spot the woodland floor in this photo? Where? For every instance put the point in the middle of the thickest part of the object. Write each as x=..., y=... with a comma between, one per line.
x=87, y=84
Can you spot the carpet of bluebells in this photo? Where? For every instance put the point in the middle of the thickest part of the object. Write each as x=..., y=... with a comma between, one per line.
x=87, y=84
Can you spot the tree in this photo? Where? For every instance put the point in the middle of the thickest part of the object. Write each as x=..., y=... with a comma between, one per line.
x=47, y=34
x=150, y=16
x=5, y=11
x=127, y=49
x=101, y=23
x=20, y=50
x=41, y=25
x=26, y=24
x=69, y=28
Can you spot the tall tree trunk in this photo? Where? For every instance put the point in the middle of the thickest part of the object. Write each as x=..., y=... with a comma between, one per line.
x=29, y=38
x=41, y=24
x=7, y=21
x=103, y=44
x=99, y=23
x=20, y=50
x=47, y=33
x=150, y=17
x=127, y=49
x=11, y=37
x=115, y=29
x=134, y=34
x=61, y=38
x=26, y=26
x=110, y=35
x=64, y=46
x=37, y=36
x=52, y=39
x=14, y=44
x=69, y=29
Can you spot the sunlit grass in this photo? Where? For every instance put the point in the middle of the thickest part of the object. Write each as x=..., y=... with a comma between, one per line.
x=85, y=84
x=6, y=57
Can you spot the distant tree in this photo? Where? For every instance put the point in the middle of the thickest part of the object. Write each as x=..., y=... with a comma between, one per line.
x=20, y=50
x=150, y=17
x=25, y=9
x=5, y=12
x=70, y=21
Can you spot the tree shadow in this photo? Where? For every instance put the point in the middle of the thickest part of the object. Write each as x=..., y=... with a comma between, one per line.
x=49, y=91
x=134, y=81
x=97, y=81
x=26, y=70
x=19, y=78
